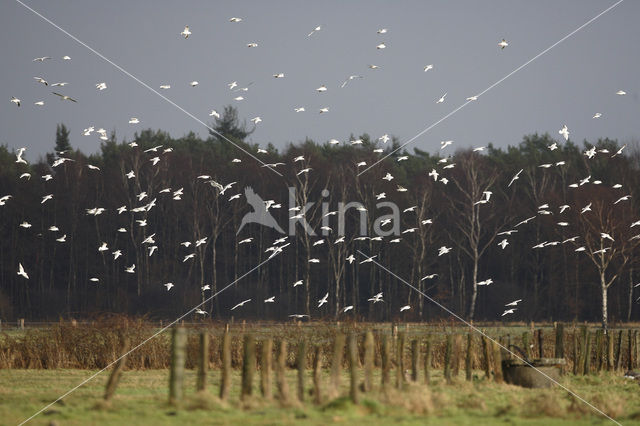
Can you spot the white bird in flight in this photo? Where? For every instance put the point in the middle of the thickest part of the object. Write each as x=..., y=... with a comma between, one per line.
x=516, y=177
x=443, y=250
x=64, y=97
x=351, y=77
x=441, y=100
x=186, y=32
x=444, y=144
x=564, y=132
x=241, y=304
x=369, y=259
x=503, y=44
x=376, y=298
x=22, y=272
x=625, y=198
x=315, y=30
x=323, y=300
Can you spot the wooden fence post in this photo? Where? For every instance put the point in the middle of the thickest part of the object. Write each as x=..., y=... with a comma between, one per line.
x=265, y=368
x=248, y=365
x=540, y=343
x=415, y=359
x=610, y=344
x=629, y=350
x=447, y=358
x=116, y=373
x=336, y=361
x=225, y=380
x=368, y=361
x=497, y=363
x=301, y=362
x=619, y=352
x=400, y=360
x=456, y=355
x=598, y=346
x=352, y=349
x=526, y=345
x=281, y=379
x=576, y=353
x=386, y=361
x=587, y=355
x=636, y=349
x=487, y=356
x=427, y=363
x=203, y=361
x=584, y=336
x=467, y=361
x=178, y=357
x=559, y=352
x=317, y=379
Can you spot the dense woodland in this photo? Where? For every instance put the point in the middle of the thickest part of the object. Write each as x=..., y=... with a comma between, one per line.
x=554, y=281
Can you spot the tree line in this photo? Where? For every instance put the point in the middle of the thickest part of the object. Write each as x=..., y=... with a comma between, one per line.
x=546, y=221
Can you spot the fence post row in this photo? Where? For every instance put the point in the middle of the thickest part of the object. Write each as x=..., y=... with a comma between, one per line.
x=609, y=355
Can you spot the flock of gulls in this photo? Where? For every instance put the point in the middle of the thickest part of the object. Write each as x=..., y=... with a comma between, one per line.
x=155, y=156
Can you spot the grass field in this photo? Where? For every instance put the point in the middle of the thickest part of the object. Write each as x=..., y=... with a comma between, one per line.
x=141, y=399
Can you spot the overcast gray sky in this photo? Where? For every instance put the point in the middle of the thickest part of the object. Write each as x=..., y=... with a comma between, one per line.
x=568, y=85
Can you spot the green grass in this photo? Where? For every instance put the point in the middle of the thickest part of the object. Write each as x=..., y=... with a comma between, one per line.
x=142, y=396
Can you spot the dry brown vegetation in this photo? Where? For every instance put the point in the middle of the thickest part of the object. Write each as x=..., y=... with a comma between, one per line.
x=97, y=344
